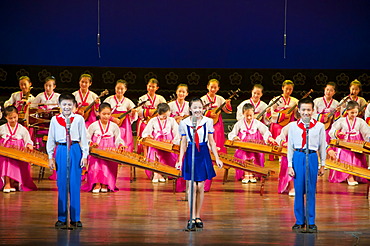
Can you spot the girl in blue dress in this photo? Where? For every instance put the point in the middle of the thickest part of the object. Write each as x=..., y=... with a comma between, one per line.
x=203, y=166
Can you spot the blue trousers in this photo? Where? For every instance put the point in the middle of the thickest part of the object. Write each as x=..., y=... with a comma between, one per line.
x=299, y=166
x=74, y=184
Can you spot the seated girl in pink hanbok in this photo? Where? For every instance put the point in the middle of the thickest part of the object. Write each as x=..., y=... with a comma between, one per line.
x=102, y=174
x=12, y=171
x=162, y=128
x=249, y=129
x=349, y=128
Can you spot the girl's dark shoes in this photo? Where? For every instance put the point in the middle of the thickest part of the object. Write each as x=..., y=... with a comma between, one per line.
x=191, y=225
x=198, y=223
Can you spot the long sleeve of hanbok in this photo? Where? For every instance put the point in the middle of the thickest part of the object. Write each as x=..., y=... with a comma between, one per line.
x=234, y=132
x=148, y=131
x=117, y=135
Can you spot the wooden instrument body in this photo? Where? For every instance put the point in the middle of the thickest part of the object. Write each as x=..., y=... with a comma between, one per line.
x=135, y=160
x=23, y=154
x=361, y=147
x=154, y=112
x=122, y=116
x=289, y=112
x=228, y=160
x=85, y=110
x=330, y=116
x=257, y=147
x=121, y=119
x=259, y=116
x=217, y=111
x=348, y=168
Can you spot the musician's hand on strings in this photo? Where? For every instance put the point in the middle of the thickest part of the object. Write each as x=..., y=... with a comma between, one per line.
x=30, y=146
x=115, y=120
x=291, y=172
x=93, y=145
x=321, y=171
x=150, y=137
x=83, y=162
x=52, y=164
x=133, y=112
x=122, y=147
x=236, y=138
x=332, y=154
x=212, y=115
x=272, y=141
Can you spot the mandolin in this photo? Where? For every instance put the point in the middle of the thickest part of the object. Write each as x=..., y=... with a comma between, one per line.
x=289, y=111
x=217, y=111
x=154, y=112
x=330, y=116
x=259, y=116
x=122, y=116
x=85, y=110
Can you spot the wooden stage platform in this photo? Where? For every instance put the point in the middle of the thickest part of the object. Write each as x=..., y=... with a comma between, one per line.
x=145, y=213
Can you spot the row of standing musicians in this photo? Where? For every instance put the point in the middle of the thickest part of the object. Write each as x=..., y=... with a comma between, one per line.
x=161, y=123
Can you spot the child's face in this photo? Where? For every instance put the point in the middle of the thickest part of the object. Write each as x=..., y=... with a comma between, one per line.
x=197, y=109
x=152, y=88
x=165, y=115
x=25, y=85
x=120, y=89
x=354, y=90
x=305, y=110
x=248, y=115
x=12, y=118
x=257, y=93
x=105, y=114
x=287, y=90
x=213, y=87
x=66, y=106
x=85, y=83
x=182, y=92
x=352, y=113
x=49, y=86
x=329, y=91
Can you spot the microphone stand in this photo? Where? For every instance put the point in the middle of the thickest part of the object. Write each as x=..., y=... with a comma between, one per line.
x=68, y=167
x=194, y=121
x=307, y=125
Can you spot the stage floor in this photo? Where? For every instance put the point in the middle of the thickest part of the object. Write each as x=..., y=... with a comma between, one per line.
x=145, y=213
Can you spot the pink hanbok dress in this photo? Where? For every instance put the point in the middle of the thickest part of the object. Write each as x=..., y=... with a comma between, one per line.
x=144, y=111
x=256, y=131
x=103, y=171
x=86, y=100
x=160, y=130
x=17, y=170
x=359, y=130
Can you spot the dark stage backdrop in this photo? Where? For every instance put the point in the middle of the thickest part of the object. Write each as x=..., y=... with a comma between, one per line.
x=197, y=78
x=322, y=34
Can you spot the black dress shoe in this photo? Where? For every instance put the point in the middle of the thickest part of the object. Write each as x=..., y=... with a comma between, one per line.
x=191, y=225
x=76, y=224
x=312, y=228
x=198, y=223
x=297, y=227
x=60, y=224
